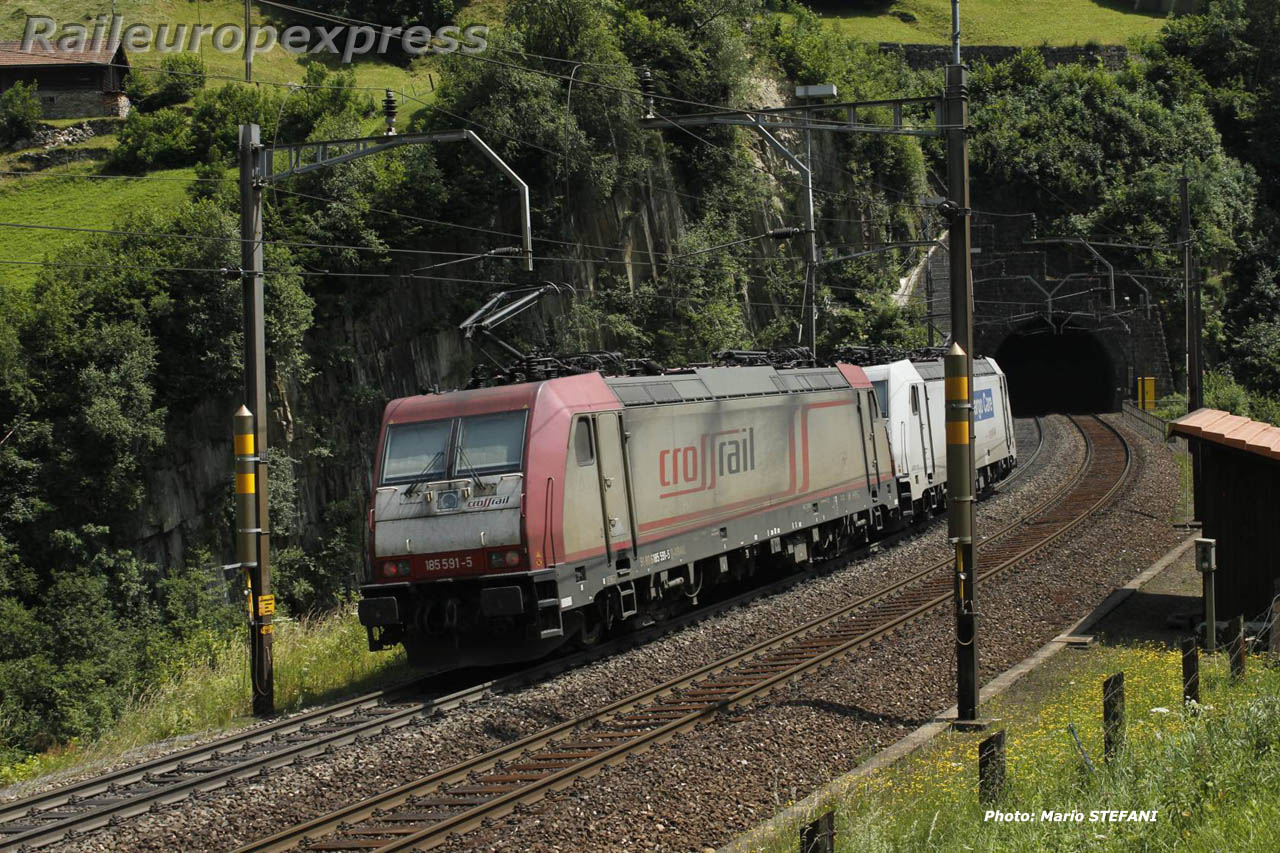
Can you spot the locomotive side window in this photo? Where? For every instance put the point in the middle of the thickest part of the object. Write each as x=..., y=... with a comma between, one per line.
x=915, y=400
x=416, y=451
x=489, y=444
x=582, y=444
x=881, y=387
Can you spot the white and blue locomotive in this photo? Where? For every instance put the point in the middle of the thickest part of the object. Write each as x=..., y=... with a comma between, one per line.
x=911, y=394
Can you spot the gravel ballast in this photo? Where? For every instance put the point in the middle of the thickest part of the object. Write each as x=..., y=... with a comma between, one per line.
x=704, y=788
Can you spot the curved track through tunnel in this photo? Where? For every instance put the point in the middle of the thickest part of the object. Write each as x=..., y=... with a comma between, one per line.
x=1067, y=371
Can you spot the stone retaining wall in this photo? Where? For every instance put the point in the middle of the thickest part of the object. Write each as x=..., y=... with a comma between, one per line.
x=67, y=103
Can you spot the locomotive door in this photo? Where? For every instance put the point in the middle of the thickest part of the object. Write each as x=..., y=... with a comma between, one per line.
x=1008, y=413
x=613, y=482
x=867, y=430
x=584, y=525
x=921, y=413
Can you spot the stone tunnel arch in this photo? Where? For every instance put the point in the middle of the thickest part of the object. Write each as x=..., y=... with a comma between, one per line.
x=1070, y=369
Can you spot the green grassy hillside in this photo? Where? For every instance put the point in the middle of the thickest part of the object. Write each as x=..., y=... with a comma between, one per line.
x=1012, y=22
x=65, y=196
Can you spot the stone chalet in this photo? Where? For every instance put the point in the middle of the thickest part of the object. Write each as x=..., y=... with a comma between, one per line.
x=70, y=83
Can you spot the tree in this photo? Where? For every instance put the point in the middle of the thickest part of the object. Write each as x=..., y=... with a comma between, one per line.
x=1226, y=57
x=20, y=111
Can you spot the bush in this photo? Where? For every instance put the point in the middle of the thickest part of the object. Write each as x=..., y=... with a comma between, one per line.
x=151, y=141
x=1222, y=391
x=180, y=77
x=19, y=112
x=140, y=87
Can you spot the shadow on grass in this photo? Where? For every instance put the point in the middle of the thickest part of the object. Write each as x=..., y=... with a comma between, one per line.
x=397, y=674
x=1127, y=6
x=858, y=9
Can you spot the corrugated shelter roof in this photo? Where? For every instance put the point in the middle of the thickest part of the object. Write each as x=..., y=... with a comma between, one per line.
x=1230, y=430
x=12, y=55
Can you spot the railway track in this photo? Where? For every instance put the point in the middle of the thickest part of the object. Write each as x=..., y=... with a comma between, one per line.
x=1028, y=456
x=423, y=814
x=71, y=811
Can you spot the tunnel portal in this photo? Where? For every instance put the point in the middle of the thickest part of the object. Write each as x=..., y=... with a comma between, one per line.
x=1050, y=371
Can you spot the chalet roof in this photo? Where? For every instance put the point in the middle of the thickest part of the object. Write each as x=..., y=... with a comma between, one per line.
x=1218, y=427
x=12, y=55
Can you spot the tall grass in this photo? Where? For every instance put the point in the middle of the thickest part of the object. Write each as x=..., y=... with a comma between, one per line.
x=1025, y=23
x=316, y=659
x=1212, y=772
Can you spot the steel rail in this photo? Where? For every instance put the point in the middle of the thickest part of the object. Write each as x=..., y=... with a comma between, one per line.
x=39, y=820
x=60, y=813
x=42, y=819
x=73, y=810
x=59, y=796
x=1024, y=465
x=743, y=676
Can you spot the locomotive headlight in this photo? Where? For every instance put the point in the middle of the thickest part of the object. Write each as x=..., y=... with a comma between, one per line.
x=504, y=559
x=396, y=568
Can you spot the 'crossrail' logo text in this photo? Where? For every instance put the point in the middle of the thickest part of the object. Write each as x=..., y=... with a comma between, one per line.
x=716, y=454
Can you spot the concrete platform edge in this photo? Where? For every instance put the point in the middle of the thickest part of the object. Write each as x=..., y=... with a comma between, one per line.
x=817, y=802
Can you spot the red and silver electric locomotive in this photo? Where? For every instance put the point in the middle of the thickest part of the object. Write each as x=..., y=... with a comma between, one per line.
x=507, y=521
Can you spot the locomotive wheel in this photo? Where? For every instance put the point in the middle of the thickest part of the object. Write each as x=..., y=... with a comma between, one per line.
x=595, y=624
x=416, y=653
x=609, y=614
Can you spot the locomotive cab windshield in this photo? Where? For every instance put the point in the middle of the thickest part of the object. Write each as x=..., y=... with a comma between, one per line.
x=468, y=447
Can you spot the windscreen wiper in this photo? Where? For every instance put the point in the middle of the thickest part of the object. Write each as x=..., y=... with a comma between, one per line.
x=422, y=475
x=462, y=457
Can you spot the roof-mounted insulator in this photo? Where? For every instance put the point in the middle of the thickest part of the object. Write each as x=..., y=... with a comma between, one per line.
x=646, y=88
x=389, y=110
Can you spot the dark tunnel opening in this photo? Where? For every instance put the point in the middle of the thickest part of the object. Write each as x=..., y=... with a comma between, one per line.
x=1067, y=372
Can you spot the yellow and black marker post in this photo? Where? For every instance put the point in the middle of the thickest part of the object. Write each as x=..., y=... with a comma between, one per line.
x=959, y=372
x=248, y=542
x=960, y=496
